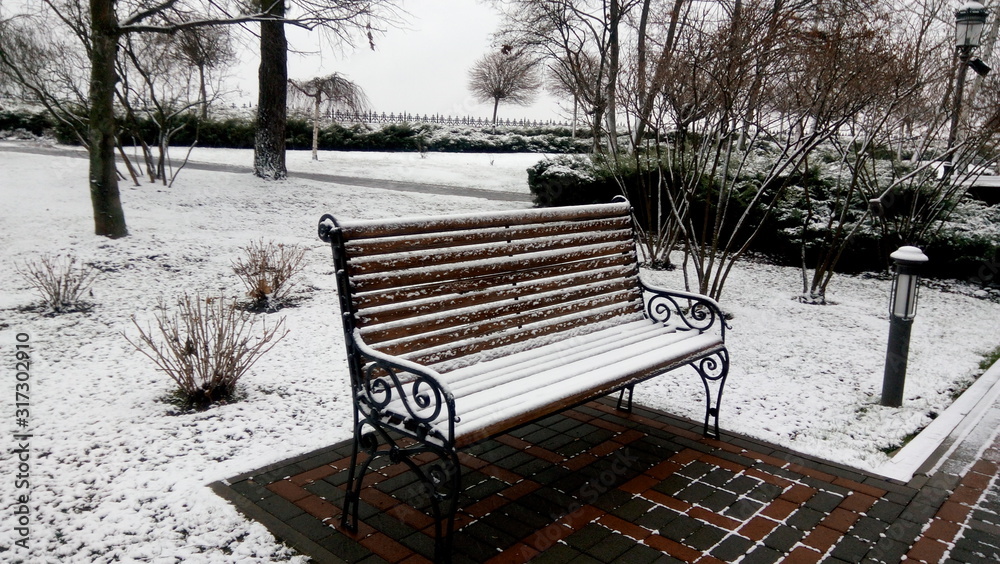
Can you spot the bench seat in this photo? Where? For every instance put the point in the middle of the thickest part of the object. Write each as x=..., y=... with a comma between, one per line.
x=505, y=392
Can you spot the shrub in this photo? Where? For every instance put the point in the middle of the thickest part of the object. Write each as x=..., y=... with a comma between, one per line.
x=267, y=271
x=60, y=281
x=205, y=346
x=36, y=124
x=570, y=180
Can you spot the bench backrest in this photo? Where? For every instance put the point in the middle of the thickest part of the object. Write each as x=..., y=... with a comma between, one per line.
x=446, y=291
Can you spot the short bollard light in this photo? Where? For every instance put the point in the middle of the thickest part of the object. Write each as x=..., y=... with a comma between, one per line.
x=902, y=309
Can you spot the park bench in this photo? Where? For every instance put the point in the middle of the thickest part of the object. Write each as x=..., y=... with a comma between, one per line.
x=461, y=328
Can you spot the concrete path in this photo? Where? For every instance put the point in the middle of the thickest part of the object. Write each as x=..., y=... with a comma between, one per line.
x=400, y=186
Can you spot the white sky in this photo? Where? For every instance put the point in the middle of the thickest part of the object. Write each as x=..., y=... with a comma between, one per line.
x=422, y=69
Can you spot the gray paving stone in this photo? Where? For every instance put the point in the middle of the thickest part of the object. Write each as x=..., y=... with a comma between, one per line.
x=633, y=509
x=680, y=527
x=344, y=547
x=588, y=536
x=765, y=492
x=743, y=509
x=695, y=492
x=719, y=500
x=641, y=554
x=673, y=484
x=741, y=485
x=805, y=518
x=657, y=518
x=919, y=512
x=280, y=507
x=885, y=510
x=887, y=551
x=824, y=501
x=762, y=555
x=705, y=537
x=851, y=549
x=695, y=470
x=560, y=554
x=869, y=529
x=783, y=538
x=718, y=477
x=732, y=548
x=611, y=548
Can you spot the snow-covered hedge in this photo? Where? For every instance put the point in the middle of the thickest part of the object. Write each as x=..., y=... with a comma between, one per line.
x=238, y=133
x=967, y=245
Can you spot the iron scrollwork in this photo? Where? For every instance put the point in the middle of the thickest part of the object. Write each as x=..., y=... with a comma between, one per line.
x=392, y=392
x=684, y=310
x=713, y=371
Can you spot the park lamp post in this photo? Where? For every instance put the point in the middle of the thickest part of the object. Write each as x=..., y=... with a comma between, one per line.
x=970, y=20
x=902, y=310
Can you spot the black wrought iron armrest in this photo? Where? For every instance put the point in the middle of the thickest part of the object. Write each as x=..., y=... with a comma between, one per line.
x=395, y=388
x=686, y=309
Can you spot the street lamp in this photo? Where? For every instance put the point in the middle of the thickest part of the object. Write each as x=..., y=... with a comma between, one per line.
x=970, y=20
x=902, y=310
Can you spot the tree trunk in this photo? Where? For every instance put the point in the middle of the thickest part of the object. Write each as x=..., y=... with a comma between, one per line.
x=269, y=144
x=316, y=126
x=109, y=217
x=203, y=91
x=612, y=86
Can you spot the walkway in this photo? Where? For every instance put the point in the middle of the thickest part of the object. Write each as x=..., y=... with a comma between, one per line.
x=399, y=186
x=597, y=485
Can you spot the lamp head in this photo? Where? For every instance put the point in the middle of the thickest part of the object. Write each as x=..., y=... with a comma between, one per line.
x=969, y=22
x=903, y=297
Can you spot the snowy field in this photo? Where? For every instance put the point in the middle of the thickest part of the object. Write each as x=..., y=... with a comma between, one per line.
x=114, y=476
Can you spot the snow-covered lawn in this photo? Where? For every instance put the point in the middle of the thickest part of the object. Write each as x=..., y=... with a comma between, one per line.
x=115, y=476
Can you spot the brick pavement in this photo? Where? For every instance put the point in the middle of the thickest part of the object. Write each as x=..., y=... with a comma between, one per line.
x=596, y=485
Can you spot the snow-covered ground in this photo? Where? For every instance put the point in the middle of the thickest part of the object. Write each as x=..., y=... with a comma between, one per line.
x=115, y=476
x=488, y=171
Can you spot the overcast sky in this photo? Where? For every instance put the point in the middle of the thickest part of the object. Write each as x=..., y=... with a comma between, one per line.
x=421, y=69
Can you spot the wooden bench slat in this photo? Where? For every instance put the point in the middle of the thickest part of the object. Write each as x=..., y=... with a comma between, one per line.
x=388, y=296
x=434, y=257
x=495, y=291
x=430, y=224
x=506, y=324
x=620, y=313
x=521, y=307
x=383, y=245
x=487, y=267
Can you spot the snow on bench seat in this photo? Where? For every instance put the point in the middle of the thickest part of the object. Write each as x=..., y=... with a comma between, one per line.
x=502, y=393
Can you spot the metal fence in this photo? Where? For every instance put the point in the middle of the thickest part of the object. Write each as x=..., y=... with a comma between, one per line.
x=404, y=117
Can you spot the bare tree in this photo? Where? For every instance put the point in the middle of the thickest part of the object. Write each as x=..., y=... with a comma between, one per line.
x=342, y=21
x=101, y=25
x=206, y=49
x=580, y=38
x=504, y=76
x=41, y=67
x=328, y=92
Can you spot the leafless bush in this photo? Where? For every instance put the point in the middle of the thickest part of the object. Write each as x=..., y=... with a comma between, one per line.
x=60, y=280
x=205, y=346
x=268, y=271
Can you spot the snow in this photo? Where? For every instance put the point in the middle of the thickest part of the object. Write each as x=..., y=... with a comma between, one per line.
x=116, y=475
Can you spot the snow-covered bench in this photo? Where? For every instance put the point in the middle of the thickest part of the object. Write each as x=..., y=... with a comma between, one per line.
x=460, y=328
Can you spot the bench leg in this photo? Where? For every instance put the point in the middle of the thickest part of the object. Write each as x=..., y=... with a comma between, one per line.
x=621, y=397
x=713, y=371
x=352, y=499
x=441, y=481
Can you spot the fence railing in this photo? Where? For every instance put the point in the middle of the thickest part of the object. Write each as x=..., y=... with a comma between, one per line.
x=404, y=117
